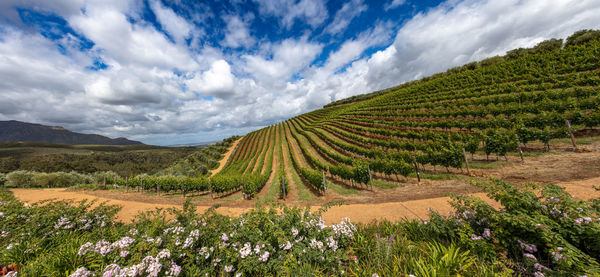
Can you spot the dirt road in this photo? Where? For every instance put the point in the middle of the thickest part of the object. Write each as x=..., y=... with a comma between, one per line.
x=362, y=213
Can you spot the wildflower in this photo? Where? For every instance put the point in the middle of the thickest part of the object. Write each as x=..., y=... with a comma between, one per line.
x=112, y=270
x=245, y=251
x=331, y=243
x=4, y=234
x=123, y=243
x=294, y=231
x=82, y=272
x=538, y=274
x=375, y=275
x=530, y=256
x=527, y=247
x=164, y=254
x=63, y=221
x=174, y=270
x=315, y=244
x=133, y=232
x=487, y=234
x=476, y=237
x=102, y=247
x=1, y=214
x=467, y=214
x=264, y=257
x=540, y=267
x=228, y=268
x=553, y=199
x=224, y=237
x=557, y=256
x=188, y=242
x=154, y=267
x=286, y=246
x=124, y=253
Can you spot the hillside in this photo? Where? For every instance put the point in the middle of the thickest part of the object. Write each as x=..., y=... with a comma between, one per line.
x=493, y=108
x=12, y=131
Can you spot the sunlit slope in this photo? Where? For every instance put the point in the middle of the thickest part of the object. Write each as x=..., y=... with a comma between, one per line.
x=492, y=106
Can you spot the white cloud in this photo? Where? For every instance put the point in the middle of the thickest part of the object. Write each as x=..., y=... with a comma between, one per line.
x=312, y=12
x=149, y=91
x=237, y=33
x=172, y=23
x=344, y=16
x=393, y=4
x=217, y=81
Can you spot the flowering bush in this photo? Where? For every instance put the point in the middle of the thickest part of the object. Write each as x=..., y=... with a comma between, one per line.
x=547, y=235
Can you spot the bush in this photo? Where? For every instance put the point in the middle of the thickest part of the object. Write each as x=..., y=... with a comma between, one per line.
x=20, y=179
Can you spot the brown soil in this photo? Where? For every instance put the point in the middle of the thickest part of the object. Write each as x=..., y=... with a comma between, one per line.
x=577, y=172
x=225, y=158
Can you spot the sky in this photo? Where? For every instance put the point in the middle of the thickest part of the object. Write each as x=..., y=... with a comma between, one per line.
x=186, y=71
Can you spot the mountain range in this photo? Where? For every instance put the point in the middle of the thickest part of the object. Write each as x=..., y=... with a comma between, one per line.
x=12, y=131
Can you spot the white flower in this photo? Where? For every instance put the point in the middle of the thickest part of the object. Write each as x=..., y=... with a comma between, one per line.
x=332, y=243
x=164, y=254
x=174, y=270
x=264, y=257
x=315, y=244
x=82, y=272
x=224, y=237
x=294, y=231
x=245, y=251
x=102, y=247
x=112, y=270
x=286, y=246
x=228, y=268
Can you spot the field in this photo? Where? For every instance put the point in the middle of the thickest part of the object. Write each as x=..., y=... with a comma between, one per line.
x=489, y=169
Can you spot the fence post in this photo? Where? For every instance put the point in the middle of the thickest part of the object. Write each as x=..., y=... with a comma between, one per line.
x=104, y=183
x=183, y=187
x=466, y=161
x=519, y=148
x=416, y=168
x=142, y=184
x=571, y=133
x=370, y=177
x=324, y=183
x=211, y=189
x=157, y=190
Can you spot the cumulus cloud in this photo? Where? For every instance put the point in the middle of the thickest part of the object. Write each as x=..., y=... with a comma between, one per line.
x=312, y=12
x=344, y=16
x=161, y=89
x=217, y=81
x=237, y=32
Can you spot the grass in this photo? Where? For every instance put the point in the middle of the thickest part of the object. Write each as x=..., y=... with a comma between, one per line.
x=304, y=193
x=488, y=164
x=386, y=185
x=436, y=176
x=272, y=193
x=579, y=141
x=340, y=189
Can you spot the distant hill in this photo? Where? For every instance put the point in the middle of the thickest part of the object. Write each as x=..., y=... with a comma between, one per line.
x=30, y=132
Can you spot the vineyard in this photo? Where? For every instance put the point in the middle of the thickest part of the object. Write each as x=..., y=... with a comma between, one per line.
x=495, y=107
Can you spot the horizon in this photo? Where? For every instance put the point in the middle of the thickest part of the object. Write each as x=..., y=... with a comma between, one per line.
x=184, y=73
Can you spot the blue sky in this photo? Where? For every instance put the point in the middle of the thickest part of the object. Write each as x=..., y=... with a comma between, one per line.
x=182, y=71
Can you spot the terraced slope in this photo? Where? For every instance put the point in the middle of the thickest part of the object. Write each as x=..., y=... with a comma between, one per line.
x=494, y=106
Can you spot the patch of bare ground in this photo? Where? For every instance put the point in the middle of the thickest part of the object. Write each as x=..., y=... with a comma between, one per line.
x=225, y=158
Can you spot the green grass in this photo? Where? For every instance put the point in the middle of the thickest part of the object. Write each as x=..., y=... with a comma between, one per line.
x=341, y=189
x=272, y=193
x=386, y=185
x=579, y=141
x=437, y=176
x=488, y=164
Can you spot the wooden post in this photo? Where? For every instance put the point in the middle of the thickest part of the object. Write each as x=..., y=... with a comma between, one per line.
x=104, y=183
x=142, y=184
x=211, y=190
x=571, y=133
x=115, y=181
x=466, y=161
x=416, y=168
x=519, y=148
x=243, y=189
x=157, y=190
x=324, y=183
x=370, y=177
x=127, y=184
x=183, y=187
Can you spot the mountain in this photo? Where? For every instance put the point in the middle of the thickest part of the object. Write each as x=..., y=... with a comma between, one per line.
x=30, y=132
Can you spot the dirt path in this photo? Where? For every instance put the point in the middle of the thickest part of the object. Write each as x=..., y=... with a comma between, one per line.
x=362, y=213
x=225, y=158
x=274, y=167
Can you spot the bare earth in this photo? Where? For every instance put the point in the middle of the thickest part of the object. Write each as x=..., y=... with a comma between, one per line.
x=225, y=158
x=578, y=173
